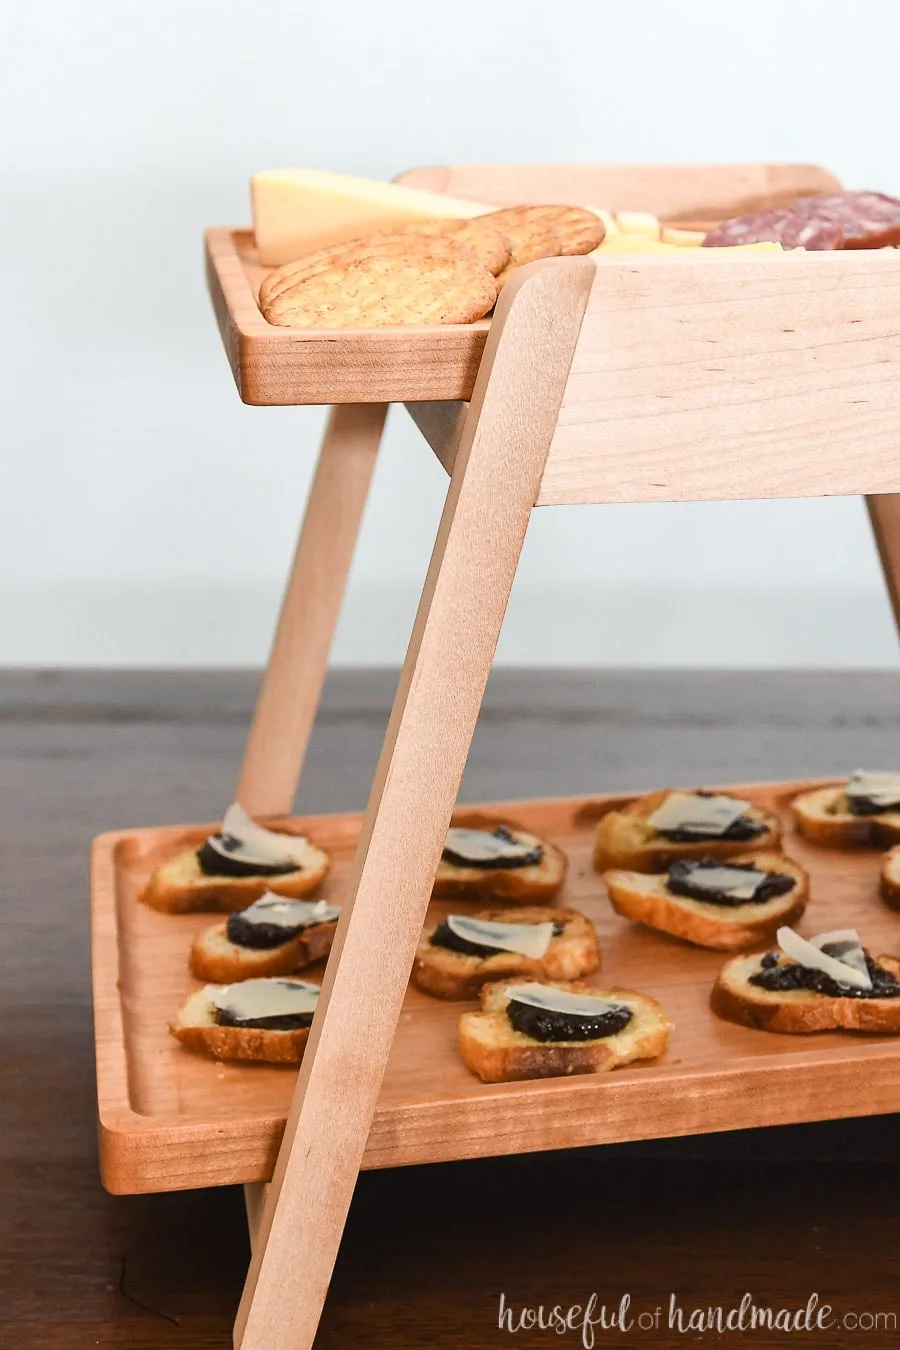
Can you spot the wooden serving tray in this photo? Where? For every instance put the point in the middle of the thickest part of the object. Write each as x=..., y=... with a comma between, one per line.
x=277, y=366
x=171, y=1118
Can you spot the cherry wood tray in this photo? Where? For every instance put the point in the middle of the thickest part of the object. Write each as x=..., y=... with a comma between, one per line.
x=171, y=1118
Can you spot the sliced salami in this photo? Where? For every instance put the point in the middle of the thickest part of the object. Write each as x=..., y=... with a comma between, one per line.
x=790, y=226
x=751, y=229
x=806, y=229
x=831, y=221
x=865, y=219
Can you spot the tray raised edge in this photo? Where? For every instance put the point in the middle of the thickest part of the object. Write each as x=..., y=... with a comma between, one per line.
x=278, y=366
x=140, y=1153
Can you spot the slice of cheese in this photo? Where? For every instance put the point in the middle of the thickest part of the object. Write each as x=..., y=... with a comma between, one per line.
x=525, y=939
x=700, y=815
x=671, y=234
x=242, y=839
x=638, y=222
x=298, y=210
x=274, y=910
x=265, y=997
x=807, y=953
x=738, y=883
x=883, y=789
x=548, y=998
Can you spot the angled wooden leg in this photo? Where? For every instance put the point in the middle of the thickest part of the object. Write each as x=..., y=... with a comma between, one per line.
x=292, y=684
x=884, y=513
x=254, y=1200
x=494, y=485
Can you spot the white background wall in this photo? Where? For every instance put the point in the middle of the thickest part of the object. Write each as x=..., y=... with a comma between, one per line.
x=148, y=517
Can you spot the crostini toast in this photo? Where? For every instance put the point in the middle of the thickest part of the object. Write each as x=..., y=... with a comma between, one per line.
x=453, y=962
x=492, y=858
x=259, y=1019
x=236, y=866
x=273, y=936
x=726, y=923
x=844, y=816
x=622, y=1026
x=656, y=830
x=785, y=990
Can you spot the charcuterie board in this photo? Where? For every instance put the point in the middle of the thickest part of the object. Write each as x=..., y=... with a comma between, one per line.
x=619, y=374
x=171, y=1118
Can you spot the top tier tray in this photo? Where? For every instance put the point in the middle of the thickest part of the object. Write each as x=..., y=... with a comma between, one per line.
x=278, y=366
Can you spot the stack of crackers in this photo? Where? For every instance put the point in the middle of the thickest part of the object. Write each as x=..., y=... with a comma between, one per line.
x=425, y=272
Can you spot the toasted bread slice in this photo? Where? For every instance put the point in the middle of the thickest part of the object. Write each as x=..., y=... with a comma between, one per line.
x=799, y=1011
x=624, y=839
x=196, y=1027
x=214, y=957
x=645, y=898
x=535, y=884
x=494, y=1050
x=457, y=975
x=179, y=886
x=822, y=817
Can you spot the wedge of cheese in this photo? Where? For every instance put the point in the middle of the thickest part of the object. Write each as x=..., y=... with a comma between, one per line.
x=298, y=210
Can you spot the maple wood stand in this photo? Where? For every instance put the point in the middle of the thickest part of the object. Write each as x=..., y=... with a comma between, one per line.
x=639, y=378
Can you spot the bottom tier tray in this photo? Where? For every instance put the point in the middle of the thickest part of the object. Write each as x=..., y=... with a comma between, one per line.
x=172, y=1119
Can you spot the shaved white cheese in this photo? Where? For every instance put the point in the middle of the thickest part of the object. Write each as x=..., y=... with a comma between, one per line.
x=480, y=846
x=526, y=939
x=241, y=838
x=881, y=788
x=252, y=999
x=566, y=1001
x=808, y=954
x=850, y=949
x=737, y=882
x=836, y=935
x=699, y=815
x=274, y=909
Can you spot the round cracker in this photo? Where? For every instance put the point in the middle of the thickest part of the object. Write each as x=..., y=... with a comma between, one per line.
x=350, y=251
x=374, y=292
x=530, y=230
x=581, y=230
x=574, y=230
x=486, y=242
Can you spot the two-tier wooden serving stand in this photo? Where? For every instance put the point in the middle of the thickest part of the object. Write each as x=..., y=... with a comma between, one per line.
x=633, y=379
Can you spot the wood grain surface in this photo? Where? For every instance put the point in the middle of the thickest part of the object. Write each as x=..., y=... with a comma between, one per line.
x=428, y=1251
x=725, y=375
x=388, y=886
x=174, y=1118
x=675, y=192
x=274, y=366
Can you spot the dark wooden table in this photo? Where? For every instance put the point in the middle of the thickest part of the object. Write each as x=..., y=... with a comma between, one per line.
x=779, y=1214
